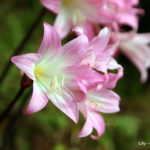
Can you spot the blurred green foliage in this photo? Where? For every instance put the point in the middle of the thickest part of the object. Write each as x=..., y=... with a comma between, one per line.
x=50, y=129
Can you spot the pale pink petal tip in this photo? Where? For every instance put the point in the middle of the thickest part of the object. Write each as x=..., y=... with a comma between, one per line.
x=26, y=63
x=38, y=101
x=93, y=121
x=52, y=5
x=78, y=30
x=51, y=41
x=63, y=24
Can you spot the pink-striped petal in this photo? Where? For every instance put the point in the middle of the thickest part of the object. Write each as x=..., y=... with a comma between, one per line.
x=100, y=42
x=87, y=128
x=51, y=41
x=75, y=50
x=104, y=100
x=52, y=5
x=26, y=63
x=63, y=23
x=113, y=77
x=38, y=101
x=93, y=120
x=136, y=47
x=86, y=77
x=66, y=102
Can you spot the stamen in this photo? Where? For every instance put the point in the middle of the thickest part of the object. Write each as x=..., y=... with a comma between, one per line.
x=95, y=104
x=63, y=80
x=56, y=84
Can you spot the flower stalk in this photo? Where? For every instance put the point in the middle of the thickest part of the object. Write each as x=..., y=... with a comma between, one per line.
x=25, y=83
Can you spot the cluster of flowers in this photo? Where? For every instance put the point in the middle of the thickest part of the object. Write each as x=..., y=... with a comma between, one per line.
x=80, y=75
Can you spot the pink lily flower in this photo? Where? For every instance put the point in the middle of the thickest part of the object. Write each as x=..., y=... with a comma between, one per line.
x=73, y=13
x=136, y=48
x=57, y=74
x=105, y=101
x=99, y=55
x=125, y=12
x=100, y=97
x=100, y=51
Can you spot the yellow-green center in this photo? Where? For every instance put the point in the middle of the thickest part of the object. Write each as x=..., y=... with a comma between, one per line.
x=52, y=82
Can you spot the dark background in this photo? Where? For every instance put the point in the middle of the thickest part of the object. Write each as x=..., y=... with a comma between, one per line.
x=50, y=129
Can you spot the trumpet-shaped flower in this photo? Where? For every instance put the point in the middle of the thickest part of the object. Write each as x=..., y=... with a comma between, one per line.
x=99, y=55
x=56, y=73
x=77, y=12
x=100, y=98
x=73, y=13
x=136, y=47
x=105, y=101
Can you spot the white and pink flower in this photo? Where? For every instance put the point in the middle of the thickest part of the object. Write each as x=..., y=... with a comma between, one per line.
x=73, y=13
x=104, y=101
x=56, y=73
x=100, y=97
x=76, y=77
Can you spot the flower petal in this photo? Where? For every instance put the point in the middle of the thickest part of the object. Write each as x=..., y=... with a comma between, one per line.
x=66, y=103
x=75, y=50
x=113, y=77
x=98, y=124
x=51, y=41
x=100, y=42
x=63, y=24
x=52, y=5
x=88, y=28
x=79, y=94
x=26, y=63
x=86, y=77
x=93, y=120
x=87, y=128
x=106, y=100
x=137, y=49
x=38, y=101
x=128, y=19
